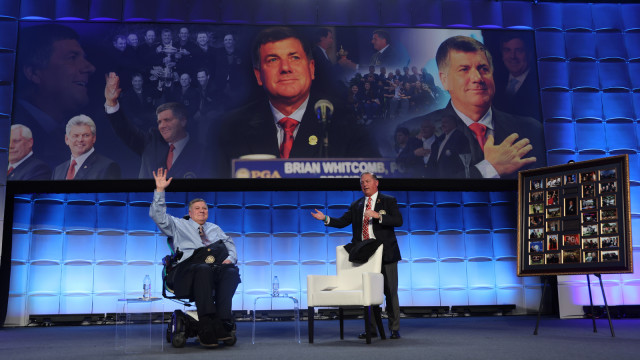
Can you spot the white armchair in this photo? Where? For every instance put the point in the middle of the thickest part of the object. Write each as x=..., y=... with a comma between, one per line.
x=353, y=285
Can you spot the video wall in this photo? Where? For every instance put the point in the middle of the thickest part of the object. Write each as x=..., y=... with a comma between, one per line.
x=392, y=109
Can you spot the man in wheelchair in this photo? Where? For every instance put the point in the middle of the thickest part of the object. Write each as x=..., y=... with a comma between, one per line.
x=206, y=272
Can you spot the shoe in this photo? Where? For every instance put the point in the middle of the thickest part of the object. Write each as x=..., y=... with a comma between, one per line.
x=364, y=335
x=395, y=334
x=223, y=329
x=206, y=332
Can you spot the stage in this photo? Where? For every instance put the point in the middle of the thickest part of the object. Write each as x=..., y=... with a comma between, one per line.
x=496, y=337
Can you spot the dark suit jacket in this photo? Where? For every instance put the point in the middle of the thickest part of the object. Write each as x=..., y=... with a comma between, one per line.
x=150, y=145
x=448, y=165
x=505, y=124
x=96, y=167
x=252, y=130
x=31, y=169
x=383, y=231
x=525, y=102
x=410, y=164
x=393, y=57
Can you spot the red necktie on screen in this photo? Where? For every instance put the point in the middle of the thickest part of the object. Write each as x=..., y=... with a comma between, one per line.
x=480, y=130
x=203, y=236
x=71, y=173
x=288, y=125
x=365, y=222
x=170, y=156
x=10, y=170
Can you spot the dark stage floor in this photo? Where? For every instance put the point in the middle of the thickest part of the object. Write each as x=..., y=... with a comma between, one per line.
x=498, y=337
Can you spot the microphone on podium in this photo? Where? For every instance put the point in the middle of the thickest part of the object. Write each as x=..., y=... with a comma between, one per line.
x=324, y=110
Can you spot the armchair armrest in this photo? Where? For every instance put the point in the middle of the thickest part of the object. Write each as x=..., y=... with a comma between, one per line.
x=318, y=283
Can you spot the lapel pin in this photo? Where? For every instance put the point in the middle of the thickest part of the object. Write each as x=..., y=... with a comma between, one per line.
x=313, y=140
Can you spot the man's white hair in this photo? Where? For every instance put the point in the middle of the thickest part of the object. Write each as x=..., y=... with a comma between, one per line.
x=80, y=120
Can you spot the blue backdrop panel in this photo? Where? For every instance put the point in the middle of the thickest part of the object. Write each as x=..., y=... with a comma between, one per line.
x=80, y=217
x=475, y=217
x=502, y=216
x=22, y=215
x=363, y=13
x=105, y=10
x=44, y=279
x=46, y=246
x=257, y=249
x=308, y=224
x=550, y=44
x=139, y=10
x=553, y=74
x=451, y=245
x=587, y=105
x=285, y=249
x=583, y=75
x=621, y=136
x=333, y=12
x=111, y=217
x=614, y=75
x=77, y=278
x=606, y=17
x=138, y=218
x=618, y=105
x=475, y=197
x=576, y=16
x=580, y=45
x=449, y=218
x=610, y=45
x=452, y=16
x=503, y=196
x=72, y=9
x=448, y=197
x=313, y=198
x=110, y=247
x=486, y=14
x=423, y=246
x=589, y=136
x=231, y=218
x=504, y=244
x=285, y=198
x=517, y=14
x=506, y=273
x=429, y=275
x=285, y=220
x=313, y=248
x=560, y=135
x=141, y=248
x=482, y=296
x=631, y=16
x=481, y=273
x=427, y=13
x=20, y=246
x=256, y=220
x=37, y=10
x=479, y=245
x=547, y=16
x=556, y=105
x=78, y=247
x=421, y=197
x=252, y=198
x=48, y=215
x=396, y=12
x=229, y=198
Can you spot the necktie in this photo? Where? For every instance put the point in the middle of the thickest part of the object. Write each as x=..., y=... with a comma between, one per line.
x=365, y=222
x=10, y=170
x=170, y=156
x=71, y=173
x=203, y=236
x=289, y=125
x=511, y=88
x=480, y=130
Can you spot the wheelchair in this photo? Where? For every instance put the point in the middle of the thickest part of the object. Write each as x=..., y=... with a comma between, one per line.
x=183, y=325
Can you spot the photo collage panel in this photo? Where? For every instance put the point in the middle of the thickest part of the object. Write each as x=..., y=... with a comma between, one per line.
x=573, y=218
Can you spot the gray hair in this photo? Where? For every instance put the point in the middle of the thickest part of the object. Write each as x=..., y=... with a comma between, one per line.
x=25, y=132
x=196, y=200
x=80, y=120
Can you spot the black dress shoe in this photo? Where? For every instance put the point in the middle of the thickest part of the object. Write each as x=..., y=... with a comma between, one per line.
x=364, y=335
x=395, y=334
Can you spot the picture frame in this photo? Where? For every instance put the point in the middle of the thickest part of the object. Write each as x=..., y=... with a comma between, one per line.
x=575, y=218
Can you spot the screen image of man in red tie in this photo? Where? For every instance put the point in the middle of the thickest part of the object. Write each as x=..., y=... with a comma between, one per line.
x=23, y=165
x=284, y=123
x=375, y=216
x=501, y=144
x=85, y=163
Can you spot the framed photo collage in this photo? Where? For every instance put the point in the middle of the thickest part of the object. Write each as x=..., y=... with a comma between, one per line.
x=575, y=218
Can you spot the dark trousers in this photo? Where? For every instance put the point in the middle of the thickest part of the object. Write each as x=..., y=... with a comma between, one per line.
x=390, y=273
x=211, y=287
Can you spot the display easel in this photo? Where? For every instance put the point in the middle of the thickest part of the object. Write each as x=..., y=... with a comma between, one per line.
x=604, y=297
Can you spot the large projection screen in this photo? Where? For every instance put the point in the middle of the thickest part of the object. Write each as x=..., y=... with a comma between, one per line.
x=391, y=125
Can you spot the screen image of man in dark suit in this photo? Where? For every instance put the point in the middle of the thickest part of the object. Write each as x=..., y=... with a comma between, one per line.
x=517, y=92
x=85, y=162
x=284, y=124
x=501, y=144
x=448, y=151
x=168, y=145
x=387, y=54
x=382, y=216
x=23, y=165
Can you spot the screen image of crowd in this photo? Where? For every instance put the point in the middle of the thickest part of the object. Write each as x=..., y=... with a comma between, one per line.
x=109, y=101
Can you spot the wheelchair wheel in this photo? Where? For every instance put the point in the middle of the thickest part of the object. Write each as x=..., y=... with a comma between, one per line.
x=178, y=340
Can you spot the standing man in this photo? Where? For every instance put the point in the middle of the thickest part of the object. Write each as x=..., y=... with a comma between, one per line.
x=210, y=282
x=22, y=164
x=518, y=93
x=285, y=124
x=375, y=216
x=448, y=152
x=85, y=162
x=168, y=145
x=388, y=55
x=496, y=139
